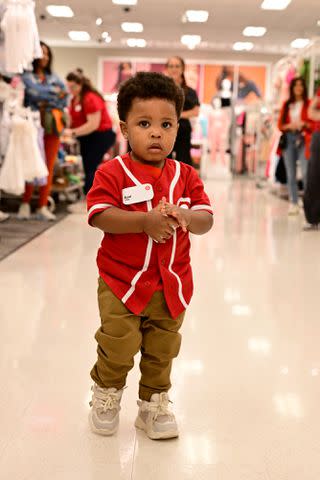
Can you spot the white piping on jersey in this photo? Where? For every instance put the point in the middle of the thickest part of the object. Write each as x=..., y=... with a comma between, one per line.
x=174, y=243
x=145, y=267
x=183, y=200
x=130, y=174
x=202, y=207
x=174, y=181
x=98, y=206
x=147, y=258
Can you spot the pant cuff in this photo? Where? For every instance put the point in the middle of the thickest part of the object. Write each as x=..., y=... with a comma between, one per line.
x=146, y=393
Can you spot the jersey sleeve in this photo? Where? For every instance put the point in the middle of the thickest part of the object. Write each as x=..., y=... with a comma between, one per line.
x=199, y=200
x=104, y=194
x=92, y=103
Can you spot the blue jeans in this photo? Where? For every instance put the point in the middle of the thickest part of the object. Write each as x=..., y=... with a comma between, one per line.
x=294, y=152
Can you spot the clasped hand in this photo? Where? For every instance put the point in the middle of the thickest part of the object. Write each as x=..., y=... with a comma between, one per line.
x=161, y=222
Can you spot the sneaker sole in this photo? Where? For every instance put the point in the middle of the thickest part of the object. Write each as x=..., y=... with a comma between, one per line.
x=155, y=435
x=105, y=433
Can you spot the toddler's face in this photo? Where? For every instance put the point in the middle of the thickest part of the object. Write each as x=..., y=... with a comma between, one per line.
x=151, y=129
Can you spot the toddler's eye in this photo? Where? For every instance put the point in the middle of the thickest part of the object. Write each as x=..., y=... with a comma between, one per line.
x=167, y=125
x=144, y=123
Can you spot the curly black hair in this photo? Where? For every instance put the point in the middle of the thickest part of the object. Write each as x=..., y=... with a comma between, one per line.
x=146, y=85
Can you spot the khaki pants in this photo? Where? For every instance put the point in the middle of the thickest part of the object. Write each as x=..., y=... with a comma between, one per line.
x=122, y=334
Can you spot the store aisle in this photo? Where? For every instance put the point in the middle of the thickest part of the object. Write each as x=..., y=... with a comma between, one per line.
x=246, y=384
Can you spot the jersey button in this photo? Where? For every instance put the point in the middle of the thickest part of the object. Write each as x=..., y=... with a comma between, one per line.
x=163, y=262
x=147, y=284
x=159, y=188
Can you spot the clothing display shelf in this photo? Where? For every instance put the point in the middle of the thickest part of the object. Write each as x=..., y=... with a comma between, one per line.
x=295, y=64
x=68, y=173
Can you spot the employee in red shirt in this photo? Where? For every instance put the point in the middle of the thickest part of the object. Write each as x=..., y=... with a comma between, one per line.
x=90, y=123
x=146, y=205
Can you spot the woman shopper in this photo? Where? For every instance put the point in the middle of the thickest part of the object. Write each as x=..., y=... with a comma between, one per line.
x=312, y=191
x=46, y=93
x=296, y=127
x=90, y=123
x=175, y=69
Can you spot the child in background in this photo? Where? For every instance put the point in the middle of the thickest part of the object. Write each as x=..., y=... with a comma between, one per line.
x=146, y=205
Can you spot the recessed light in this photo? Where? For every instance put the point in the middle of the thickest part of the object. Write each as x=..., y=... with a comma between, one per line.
x=300, y=43
x=125, y=2
x=191, y=41
x=132, y=27
x=79, y=36
x=107, y=39
x=105, y=34
x=99, y=21
x=136, y=42
x=254, y=31
x=196, y=16
x=243, y=46
x=275, y=4
x=62, y=11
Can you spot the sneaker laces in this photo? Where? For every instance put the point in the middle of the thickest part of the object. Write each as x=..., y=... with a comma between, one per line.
x=105, y=400
x=158, y=409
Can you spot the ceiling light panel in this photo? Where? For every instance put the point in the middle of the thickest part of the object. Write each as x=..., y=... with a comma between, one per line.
x=191, y=41
x=125, y=2
x=300, y=43
x=254, y=31
x=196, y=16
x=136, y=42
x=275, y=4
x=62, y=11
x=243, y=46
x=132, y=27
x=79, y=36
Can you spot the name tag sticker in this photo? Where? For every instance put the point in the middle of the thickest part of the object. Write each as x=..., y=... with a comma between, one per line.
x=138, y=194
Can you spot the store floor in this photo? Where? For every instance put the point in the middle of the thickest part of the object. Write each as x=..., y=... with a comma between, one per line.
x=246, y=384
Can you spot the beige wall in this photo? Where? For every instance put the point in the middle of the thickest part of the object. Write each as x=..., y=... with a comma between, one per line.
x=67, y=59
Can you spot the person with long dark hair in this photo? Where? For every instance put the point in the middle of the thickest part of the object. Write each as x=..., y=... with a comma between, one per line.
x=296, y=126
x=175, y=69
x=90, y=123
x=44, y=92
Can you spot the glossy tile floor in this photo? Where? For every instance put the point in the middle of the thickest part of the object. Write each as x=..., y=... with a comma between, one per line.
x=246, y=385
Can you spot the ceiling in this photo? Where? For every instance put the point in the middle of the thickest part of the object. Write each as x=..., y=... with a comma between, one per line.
x=163, y=26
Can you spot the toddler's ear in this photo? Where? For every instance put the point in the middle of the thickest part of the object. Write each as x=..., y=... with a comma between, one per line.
x=124, y=129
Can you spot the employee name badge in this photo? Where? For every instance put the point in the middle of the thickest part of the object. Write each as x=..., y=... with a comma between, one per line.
x=138, y=194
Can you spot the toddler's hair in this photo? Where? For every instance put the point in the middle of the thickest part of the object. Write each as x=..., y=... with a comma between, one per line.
x=147, y=85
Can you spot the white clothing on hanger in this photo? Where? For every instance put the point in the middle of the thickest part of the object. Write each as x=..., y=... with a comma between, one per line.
x=22, y=44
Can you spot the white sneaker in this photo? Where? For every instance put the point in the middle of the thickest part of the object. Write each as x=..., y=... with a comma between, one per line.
x=156, y=419
x=104, y=415
x=3, y=216
x=309, y=227
x=24, y=212
x=44, y=213
x=294, y=209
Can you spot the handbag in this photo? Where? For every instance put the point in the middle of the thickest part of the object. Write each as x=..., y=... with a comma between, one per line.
x=283, y=142
x=53, y=121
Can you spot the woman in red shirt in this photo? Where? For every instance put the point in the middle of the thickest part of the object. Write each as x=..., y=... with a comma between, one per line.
x=295, y=124
x=90, y=123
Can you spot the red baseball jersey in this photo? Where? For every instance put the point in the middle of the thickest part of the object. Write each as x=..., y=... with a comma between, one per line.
x=133, y=265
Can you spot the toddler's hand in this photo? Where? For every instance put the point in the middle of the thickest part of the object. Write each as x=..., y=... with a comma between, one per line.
x=159, y=226
x=181, y=215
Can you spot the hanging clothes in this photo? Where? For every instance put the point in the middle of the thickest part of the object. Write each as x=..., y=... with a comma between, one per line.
x=23, y=161
x=22, y=43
